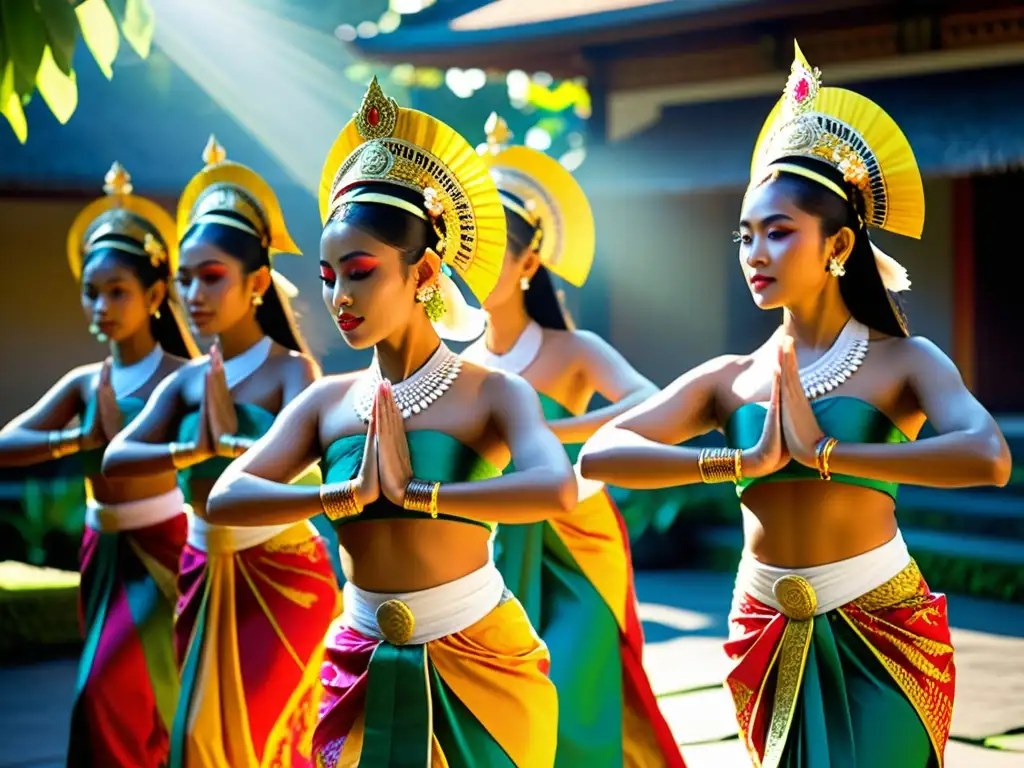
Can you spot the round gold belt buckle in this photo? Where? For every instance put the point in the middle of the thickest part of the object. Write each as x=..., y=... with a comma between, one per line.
x=396, y=621
x=796, y=596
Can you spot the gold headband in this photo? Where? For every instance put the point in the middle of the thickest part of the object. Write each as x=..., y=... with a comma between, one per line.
x=853, y=135
x=124, y=215
x=553, y=203
x=405, y=147
x=223, y=187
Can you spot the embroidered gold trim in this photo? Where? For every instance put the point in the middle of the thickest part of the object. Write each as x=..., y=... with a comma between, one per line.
x=796, y=642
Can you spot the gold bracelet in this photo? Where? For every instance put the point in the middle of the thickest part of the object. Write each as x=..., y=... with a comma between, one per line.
x=421, y=496
x=231, y=447
x=823, y=453
x=63, y=443
x=339, y=500
x=182, y=454
x=719, y=465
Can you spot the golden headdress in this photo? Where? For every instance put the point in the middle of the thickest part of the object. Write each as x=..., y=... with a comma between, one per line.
x=542, y=192
x=225, y=187
x=124, y=222
x=856, y=137
x=386, y=143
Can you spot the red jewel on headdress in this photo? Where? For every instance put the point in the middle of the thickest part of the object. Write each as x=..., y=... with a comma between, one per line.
x=802, y=90
x=373, y=116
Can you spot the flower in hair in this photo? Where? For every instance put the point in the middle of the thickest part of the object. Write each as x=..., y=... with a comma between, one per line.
x=155, y=249
x=432, y=203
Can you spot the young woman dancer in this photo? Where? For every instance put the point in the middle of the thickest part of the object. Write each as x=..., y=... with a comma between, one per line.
x=572, y=574
x=255, y=602
x=842, y=653
x=433, y=662
x=123, y=250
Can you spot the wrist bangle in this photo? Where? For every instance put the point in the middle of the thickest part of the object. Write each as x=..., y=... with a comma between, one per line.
x=720, y=465
x=63, y=443
x=230, y=446
x=421, y=496
x=339, y=500
x=182, y=454
x=823, y=452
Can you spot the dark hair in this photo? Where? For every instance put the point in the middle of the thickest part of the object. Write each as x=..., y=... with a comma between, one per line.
x=165, y=329
x=393, y=226
x=274, y=315
x=861, y=287
x=542, y=301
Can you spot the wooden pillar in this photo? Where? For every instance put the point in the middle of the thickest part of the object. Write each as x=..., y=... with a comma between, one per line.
x=964, y=280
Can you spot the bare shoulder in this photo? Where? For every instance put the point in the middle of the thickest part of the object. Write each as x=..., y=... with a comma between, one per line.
x=718, y=371
x=294, y=364
x=503, y=389
x=330, y=390
x=918, y=356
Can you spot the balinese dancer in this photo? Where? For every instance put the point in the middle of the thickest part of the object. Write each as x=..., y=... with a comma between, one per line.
x=123, y=249
x=572, y=574
x=842, y=653
x=254, y=602
x=434, y=662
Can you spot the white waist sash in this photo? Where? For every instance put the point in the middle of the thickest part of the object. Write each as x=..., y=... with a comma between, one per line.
x=133, y=515
x=232, y=538
x=415, y=618
x=833, y=584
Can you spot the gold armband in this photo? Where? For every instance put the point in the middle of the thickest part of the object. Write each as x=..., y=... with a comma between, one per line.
x=421, y=496
x=182, y=454
x=63, y=443
x=339, y=500
x=720, y=465
x=232, y=447
x=823, y=452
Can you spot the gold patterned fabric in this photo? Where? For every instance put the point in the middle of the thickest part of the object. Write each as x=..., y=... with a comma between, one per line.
x=883, y=659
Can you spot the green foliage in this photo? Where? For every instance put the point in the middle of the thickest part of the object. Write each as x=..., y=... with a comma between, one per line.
x=37, y=46
x=56, y=505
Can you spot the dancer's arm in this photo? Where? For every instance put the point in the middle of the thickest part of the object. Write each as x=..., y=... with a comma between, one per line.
x=968, y=449
x=38, y=434
x=612, y=377
x=640, y=448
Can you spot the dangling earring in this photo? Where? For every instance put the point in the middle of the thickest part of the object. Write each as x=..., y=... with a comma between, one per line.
x=156, y=313
x=524, y=283
x=432, y=300
x=836, y=268
x=257, y=300
x=101, y=337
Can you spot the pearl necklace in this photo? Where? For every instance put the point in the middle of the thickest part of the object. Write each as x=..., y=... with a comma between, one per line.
x=839, y=363
x=414, y=394
x=517, y=359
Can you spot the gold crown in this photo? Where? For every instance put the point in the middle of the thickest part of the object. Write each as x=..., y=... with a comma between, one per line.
x=147, y=226
x=552, y=201
x=852, y=134
x=229, y=187
x=405, y=147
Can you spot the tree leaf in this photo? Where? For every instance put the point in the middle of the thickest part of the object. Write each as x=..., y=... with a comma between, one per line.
x=26, y=38
x=137, y=25
x=59, y=91
x=11, y=107
x=61, y=29
x=99, y=30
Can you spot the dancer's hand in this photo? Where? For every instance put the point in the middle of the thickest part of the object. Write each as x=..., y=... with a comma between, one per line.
x=222, y=420
x=107, y=420
x=367, y=483
x=392, y=447
x=799, y=424
x=769, y=455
